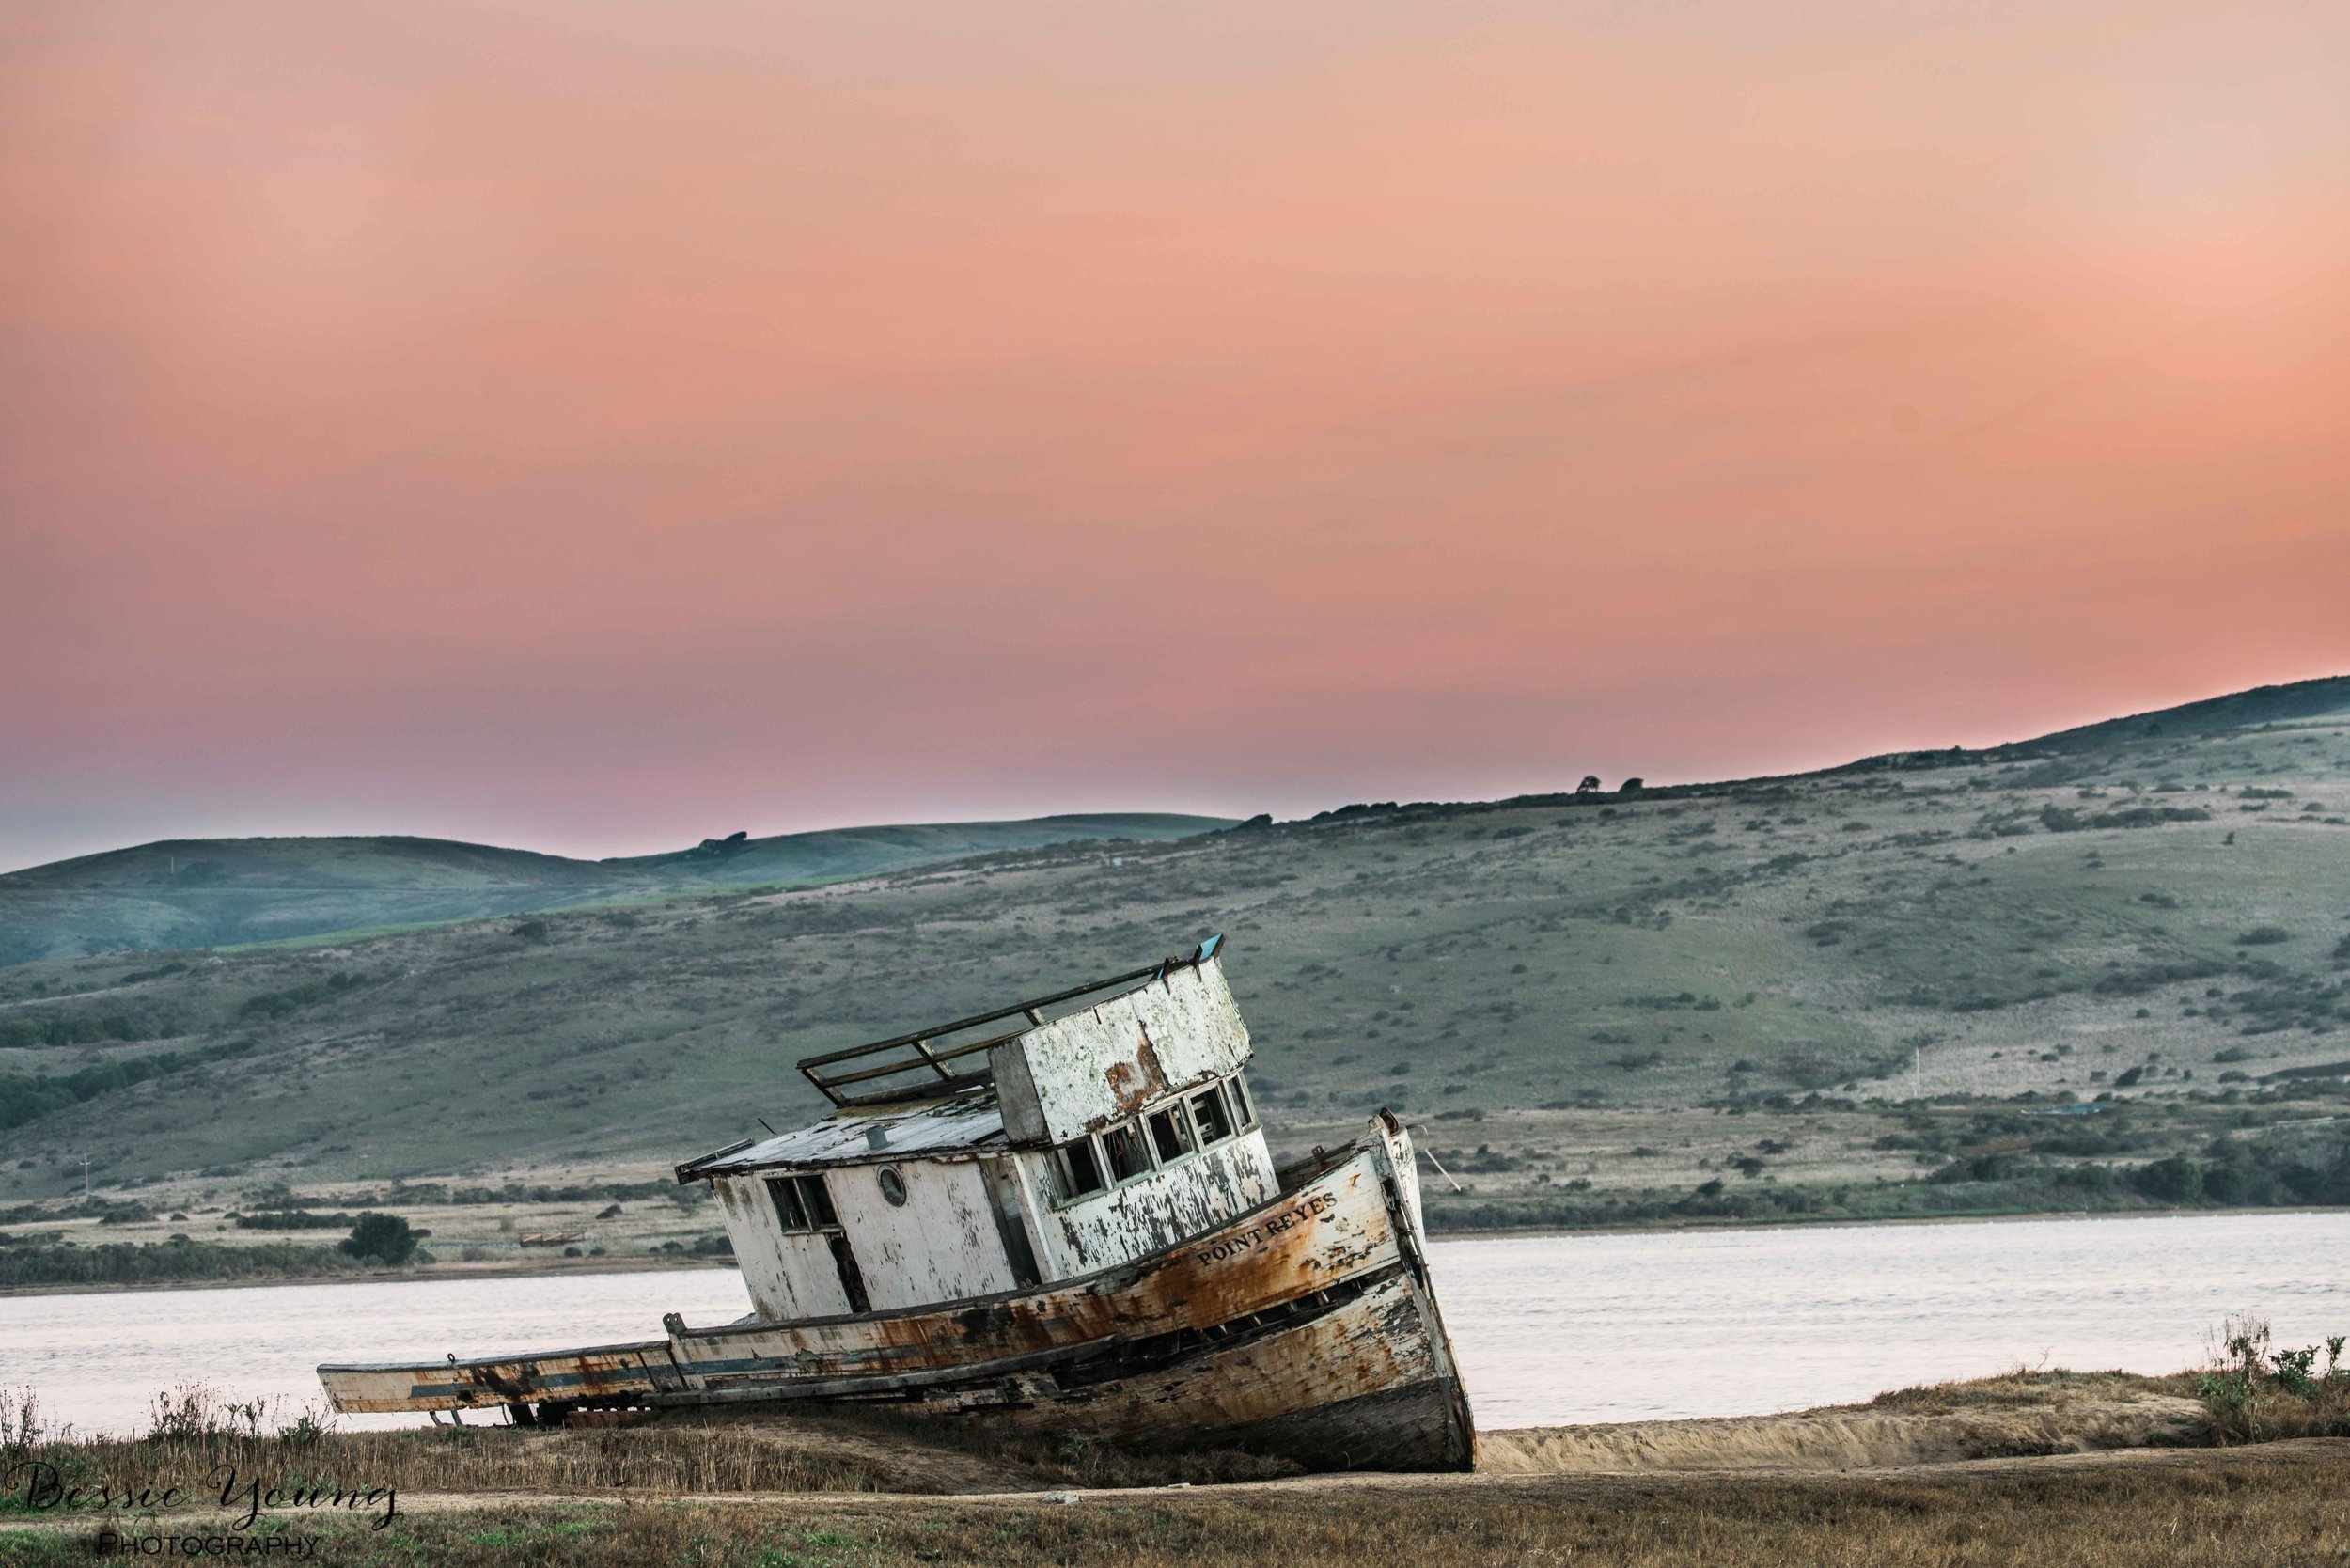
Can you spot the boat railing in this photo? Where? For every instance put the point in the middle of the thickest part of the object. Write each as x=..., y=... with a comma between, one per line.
x=945, y=1059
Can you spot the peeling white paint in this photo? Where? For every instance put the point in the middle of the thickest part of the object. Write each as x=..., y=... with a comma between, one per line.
x=789, y=1274
x=1080, y=1072
x=1152, y=1211
x=1135, y=1054
x=941, y=1245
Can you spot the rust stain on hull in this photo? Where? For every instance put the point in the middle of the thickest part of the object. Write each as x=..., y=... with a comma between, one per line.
x=1134, y=1084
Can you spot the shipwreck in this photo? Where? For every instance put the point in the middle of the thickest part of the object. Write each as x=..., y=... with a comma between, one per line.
x=1061, y=1215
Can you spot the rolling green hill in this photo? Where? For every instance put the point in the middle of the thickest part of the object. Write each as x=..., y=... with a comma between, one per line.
x=1751, y=986
x=215, y=892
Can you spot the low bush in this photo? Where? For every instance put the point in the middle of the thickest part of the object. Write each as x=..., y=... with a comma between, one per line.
x=2254, y=1392
x=154, y=1263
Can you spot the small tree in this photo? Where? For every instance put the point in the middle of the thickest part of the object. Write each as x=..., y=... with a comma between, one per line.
x=383, y=1238
x=1589, y=785
x=1629, y=787
x=2175, y=1180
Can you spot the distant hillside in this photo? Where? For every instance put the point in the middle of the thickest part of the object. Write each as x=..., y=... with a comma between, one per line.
x=1609, y=988
x=213, y=892
x=2301, y=700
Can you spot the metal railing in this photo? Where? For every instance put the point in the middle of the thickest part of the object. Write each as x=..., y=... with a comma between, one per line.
x=924, y=1065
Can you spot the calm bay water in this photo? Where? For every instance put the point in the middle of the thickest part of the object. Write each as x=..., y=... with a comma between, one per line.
x=1550, y=1329
x=1553, y=1330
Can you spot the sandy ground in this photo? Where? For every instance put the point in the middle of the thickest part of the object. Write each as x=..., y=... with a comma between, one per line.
x=1848, y=1438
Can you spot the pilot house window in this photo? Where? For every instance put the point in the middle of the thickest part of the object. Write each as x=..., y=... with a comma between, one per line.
x=1169, y=1135
x=1215, y=1123
x=802, y=1204
x=1204, y=1118
x=1079, y=1171
x=1128, y=1157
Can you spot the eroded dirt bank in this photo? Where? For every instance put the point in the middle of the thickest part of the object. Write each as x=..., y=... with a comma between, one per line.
x=2040, y=1414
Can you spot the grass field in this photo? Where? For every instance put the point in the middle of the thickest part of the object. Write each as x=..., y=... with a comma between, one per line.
x=1846, y=993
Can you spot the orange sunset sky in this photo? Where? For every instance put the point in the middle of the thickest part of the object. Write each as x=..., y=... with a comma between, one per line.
x=593, y=424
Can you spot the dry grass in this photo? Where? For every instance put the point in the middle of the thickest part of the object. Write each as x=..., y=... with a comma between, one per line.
x=194, y=1432
x=2022, y=1386
x=738, y=1495
x=487, y=1459
x=2274, y=1505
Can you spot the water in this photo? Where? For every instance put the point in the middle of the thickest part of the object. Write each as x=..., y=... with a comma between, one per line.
x=1559, y=1329
x=1550, y=1329
x=98, y=1359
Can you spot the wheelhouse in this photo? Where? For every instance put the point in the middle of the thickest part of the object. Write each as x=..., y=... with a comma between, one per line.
x=1010, y=1151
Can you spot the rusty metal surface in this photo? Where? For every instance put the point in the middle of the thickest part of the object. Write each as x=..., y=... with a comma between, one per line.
x=605, y=1373
x=1361, y=1387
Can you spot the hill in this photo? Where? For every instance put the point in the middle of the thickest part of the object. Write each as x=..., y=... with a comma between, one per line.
x=215, y=892
x=1846, y=991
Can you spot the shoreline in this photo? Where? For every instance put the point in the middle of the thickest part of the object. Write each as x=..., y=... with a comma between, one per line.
x=436, y=1273
x=1798, y=1222
x=543, y=1268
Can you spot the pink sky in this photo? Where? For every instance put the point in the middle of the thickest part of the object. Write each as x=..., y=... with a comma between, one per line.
x=591, y=425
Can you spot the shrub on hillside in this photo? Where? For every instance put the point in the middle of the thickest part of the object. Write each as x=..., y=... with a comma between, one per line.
x=2174, y=1180
x=382, y=1238
x=47, y=1263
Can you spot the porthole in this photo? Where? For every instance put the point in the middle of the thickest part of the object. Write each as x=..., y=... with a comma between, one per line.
x=893, y=1186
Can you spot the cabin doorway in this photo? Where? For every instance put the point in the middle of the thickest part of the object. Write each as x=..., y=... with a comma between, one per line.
x=1003, y=1199
x=851, y=1276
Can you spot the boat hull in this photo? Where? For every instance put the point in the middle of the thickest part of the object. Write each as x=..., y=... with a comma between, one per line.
x=1307, y=1327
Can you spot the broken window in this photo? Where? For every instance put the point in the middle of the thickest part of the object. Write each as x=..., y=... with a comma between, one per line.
x=784, y=1192
x=1129, y=1157
x=1078, y=1172
x=1243, y=1112
x=818, y=1201
x=1215, y=1121
x=802, y=1204
x=1169, y=1135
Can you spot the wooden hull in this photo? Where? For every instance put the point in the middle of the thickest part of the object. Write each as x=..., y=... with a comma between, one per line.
x=1305, y=1328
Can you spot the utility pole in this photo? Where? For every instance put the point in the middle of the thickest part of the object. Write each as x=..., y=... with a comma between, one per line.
x=85, y=1181
x=1917, y=1071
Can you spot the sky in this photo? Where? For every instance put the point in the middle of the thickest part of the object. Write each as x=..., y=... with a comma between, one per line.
x=591, y=425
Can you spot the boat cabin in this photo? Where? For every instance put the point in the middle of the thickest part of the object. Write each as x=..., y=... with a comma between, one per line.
x=1012, y=1149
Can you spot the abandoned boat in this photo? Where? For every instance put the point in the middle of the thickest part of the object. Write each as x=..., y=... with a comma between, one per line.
x=1061, y=1215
